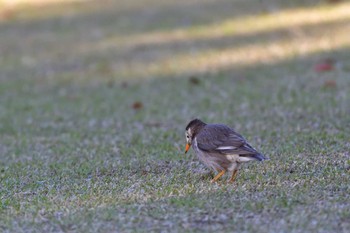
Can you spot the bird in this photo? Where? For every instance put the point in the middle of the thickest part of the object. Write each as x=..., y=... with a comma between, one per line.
x=219, y=147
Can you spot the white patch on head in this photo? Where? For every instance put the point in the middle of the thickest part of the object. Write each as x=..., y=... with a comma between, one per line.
x=189, y=131
x=188, y=135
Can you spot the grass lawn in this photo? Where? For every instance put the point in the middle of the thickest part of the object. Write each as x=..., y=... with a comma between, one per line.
x=95, y=97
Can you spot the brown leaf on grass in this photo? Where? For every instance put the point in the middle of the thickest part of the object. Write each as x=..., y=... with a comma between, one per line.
x=7, y=13
x=330, y=84
x=194, y=80
x=324, y=65
x=137, y=105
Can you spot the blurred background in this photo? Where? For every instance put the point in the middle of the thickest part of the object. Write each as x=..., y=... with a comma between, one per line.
x=95, y=97
x=82, y=67
x=98, y=41
x=88, y=69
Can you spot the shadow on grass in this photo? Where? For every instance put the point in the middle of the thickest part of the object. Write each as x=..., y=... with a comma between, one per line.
x=140, y=17
x=70, y=46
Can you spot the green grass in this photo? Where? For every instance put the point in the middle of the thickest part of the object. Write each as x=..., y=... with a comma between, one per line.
x=76, y=155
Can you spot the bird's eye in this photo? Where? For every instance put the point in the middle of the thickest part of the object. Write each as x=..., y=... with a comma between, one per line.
x=187, y=136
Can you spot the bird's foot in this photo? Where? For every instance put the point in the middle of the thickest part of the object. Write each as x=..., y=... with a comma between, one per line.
x=218, y=176
x=233, y=177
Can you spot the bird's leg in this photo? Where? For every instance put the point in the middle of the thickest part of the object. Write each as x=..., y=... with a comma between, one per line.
x=218, y=176
x=233, y=177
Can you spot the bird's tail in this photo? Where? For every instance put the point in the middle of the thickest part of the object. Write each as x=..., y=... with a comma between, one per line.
x=257, y=156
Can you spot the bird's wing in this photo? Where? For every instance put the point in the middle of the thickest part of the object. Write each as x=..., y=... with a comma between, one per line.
x=222, y=139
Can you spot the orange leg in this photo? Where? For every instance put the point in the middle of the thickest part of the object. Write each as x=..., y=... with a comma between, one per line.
x=218, y=176
x=233, y=177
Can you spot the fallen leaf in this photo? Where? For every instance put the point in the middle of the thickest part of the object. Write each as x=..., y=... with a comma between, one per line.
x=324, y=65
x=194, y=80
x=137, y=105
x=6, y=14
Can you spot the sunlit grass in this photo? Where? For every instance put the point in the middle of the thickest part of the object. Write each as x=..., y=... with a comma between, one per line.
x=265, y=22
x=273, y=38
x=31, y=10
x=259, y=53
x=267, y=37
x=15, y=3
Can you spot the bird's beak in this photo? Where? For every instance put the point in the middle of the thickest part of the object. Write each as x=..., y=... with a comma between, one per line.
x=187, y=147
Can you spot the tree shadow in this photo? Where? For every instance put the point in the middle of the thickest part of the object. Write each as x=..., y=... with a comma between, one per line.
x=75, y=44
x=144, y=55
x=138, y=18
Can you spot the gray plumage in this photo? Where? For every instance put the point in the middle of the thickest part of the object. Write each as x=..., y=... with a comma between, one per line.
x=219, y=147
x=212, y=137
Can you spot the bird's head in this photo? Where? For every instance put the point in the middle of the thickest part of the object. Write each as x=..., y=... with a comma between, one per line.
x=192, y=129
